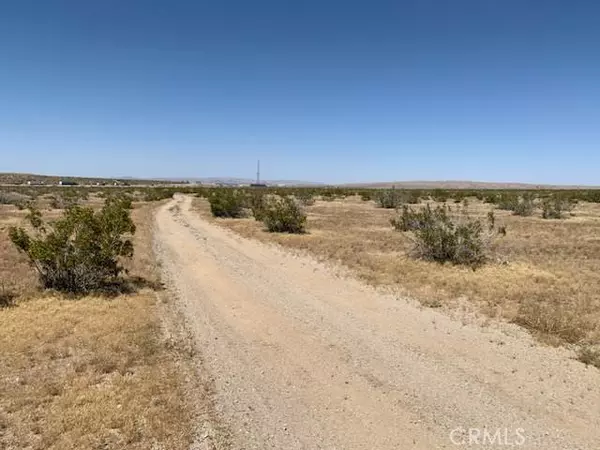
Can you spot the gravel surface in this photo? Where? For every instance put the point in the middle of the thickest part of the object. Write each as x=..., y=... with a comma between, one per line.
x=303, y=358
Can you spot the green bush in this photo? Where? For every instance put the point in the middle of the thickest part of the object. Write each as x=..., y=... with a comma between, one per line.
x=412, y=196
x=556, y=207
x=389, y=198
x=284, y=215
x=79, y=252
x=524, y=206
x=410, y=220
x=157, y=194
x=305, y=198
x=367, y=195
x=442, y=195
x=592, y=196
x=439, y=235
x=256, y=201
x=507, y=201
x=491, y=198
x=328, y=196
x=227, y=202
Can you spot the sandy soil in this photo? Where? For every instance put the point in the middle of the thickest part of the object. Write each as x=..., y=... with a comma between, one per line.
x=303, y=358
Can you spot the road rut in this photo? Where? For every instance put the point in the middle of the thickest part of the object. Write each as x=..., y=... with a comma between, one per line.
x=302, y=358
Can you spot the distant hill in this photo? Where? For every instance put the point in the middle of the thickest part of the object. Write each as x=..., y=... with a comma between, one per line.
x=24, y=178
x=236, y=181
x=452, y=184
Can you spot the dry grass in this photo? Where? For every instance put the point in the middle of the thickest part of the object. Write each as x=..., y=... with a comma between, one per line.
x=545, y=275
x=589, y=356
x=92, y=372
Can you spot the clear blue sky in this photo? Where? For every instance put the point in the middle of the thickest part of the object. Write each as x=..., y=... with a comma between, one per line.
x=492, y=90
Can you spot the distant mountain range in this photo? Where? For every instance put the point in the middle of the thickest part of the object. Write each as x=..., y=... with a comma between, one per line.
x=455, y=184
x=23, y=178
x=230, y=180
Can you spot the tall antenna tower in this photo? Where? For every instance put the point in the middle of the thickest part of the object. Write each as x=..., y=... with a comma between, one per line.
x=258, y=182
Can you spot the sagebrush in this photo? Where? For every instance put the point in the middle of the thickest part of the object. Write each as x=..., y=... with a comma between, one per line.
x=256, y=201
x=80, y=252
x=524, y=206
x=227, y=203
x=556, y=207
x=441, y=235
x=284, y=215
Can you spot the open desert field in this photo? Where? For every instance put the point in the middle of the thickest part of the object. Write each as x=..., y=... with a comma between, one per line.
x=542, y=275
x=327, y=332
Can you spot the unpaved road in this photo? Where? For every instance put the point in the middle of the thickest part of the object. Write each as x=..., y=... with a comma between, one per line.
x=304, y=359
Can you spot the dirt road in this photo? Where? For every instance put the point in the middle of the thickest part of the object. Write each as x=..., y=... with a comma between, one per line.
x=301, y=358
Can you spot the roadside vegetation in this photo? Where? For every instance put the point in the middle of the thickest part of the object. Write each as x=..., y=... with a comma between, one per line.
x=505, y=254
x=86, y=359
x=284, y=215
x=533, y=261
x=81, y=251
x=442, y=234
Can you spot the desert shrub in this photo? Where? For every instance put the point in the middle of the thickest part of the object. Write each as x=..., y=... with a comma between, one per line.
x=67, y=198
x=409, y=219
x=256, y=201
x=284, y=215
x=157, y=194
x=395, y=198
x=440, y=195
x=491, y=198
x=460, y=196
x=57, y=202
x=388, y=198
x=524, y=206
x=507, y=201
x=305, y=198
x=81, y=251
x=13, y=198
x=556, y=207
x=592, y=196
x=367, y=195
x=327, y=196
x=227, y=203
x=441, y=236
x=411, y=196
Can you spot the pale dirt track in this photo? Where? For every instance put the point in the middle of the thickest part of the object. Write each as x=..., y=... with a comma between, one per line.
x=303, y=359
